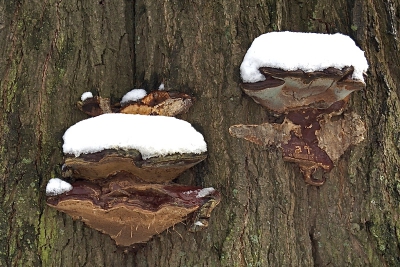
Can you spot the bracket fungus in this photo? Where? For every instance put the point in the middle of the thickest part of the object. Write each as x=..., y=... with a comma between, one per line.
x=162, y=103
x=309, y=84
x=98, y=147
x=132, y=212
x=122, y=166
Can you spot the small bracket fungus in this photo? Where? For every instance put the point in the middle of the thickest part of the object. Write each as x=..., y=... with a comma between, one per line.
x=158, y=102
x=308, y=83
x=123, y=164
x=95, y=106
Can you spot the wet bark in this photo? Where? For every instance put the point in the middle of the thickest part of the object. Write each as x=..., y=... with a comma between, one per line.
x=53, y=51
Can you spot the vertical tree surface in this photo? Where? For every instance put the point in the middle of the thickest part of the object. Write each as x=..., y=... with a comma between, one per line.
x=53, y=51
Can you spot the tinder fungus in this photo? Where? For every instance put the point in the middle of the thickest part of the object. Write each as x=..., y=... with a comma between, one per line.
x=283, y=91
x=307, y=78
x=122, y=166
x=130, y=212
x=160, y=169
x=98, y=147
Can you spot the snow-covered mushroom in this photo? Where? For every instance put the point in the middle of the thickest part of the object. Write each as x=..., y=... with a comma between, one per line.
x=154, y=148
x=130, y=212
x=286, y=71
x=307, y=78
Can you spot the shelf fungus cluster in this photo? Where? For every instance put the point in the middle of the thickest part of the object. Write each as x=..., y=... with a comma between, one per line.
x=306, y=78
x=121, y=168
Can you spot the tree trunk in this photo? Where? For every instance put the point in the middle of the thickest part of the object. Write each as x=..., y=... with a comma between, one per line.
x=53, y=51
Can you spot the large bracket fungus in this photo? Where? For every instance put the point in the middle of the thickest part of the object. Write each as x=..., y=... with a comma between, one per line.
x=309, y=84
x=132, y=212
x=121, y=167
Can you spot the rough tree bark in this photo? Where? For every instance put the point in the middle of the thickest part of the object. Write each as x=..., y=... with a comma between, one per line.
x=52, y=51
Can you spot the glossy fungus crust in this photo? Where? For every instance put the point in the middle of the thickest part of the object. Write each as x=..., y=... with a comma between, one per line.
x=132, y=212
x=312, y=138
x=162, y=169
x=284, y=91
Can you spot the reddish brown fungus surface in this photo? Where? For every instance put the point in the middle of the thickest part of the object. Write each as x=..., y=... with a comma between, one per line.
x=107, y=162
x=95, y=106
x=160, y=103
x=308, y=137
x=284, y=91
x=155, y=103
x=129, y=212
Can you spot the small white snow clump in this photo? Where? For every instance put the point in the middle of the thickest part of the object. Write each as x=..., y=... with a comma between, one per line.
x=308, y=52
x=86, y=95
x=205, y=192
x=199, y=223
x=133, y=95
x=57, y=186
x=152, y=136
x=161, y=87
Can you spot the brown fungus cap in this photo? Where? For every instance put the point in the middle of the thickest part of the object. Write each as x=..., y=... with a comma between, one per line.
x=283, y=91
x=132, y=213
x=106, y=163
x=95, y=106
x=160, y=103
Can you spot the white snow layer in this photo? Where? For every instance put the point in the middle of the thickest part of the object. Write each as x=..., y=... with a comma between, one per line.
x=205, y=192
x=305, y=51
x=86, y=95
x=134, y=95
x=199, y=223
x=56, y=186
x=152, y=136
